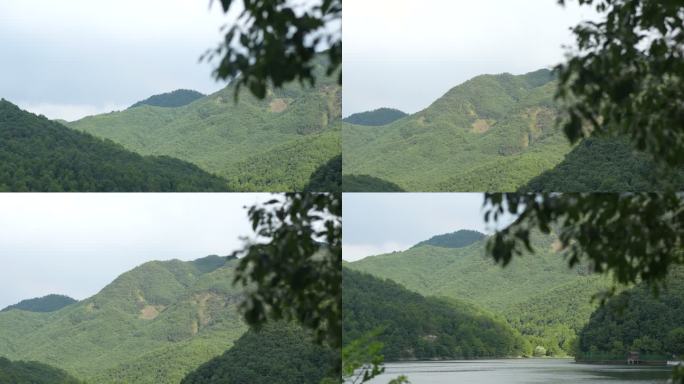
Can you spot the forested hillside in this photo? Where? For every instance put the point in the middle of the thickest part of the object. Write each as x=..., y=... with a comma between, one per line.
x=636, y=320
x=416, y=327
x=277, y=353
x=153, y=324
x=37, y=154
x=494, y=133
x=537, y=293
x=22, y=372
x=365, y=183
x=177, y=98
x=377, y=117
x=605, y=165
x=273, y=144
x=47, y=303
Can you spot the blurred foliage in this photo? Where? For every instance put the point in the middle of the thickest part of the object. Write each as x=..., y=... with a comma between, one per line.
x=362, y=358
x=151, y=325
x=377, y=117
x=292, y=270
x=21, y=372
x=275, y=42
x=624, y=77
x=177, y=98
x=37, y=154
x=47, y=303
x=632, y=237
x=277, y=353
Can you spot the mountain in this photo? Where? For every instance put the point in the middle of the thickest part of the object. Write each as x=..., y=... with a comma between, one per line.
x=22, y=372
x=49, y=303
x=153, y=324
x=37, y=154
x=377, y=117
x=492, y=133
x=286, y=355
x=637, y=320
x=605, y=165
x=275, y=144
x=416, y=327
x=177, y=98
x=458, y=239
x=537, y=293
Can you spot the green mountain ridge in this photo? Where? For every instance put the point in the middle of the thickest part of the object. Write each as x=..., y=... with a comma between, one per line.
x=177, y=98
x=48, y=303
x=530, y=293
x=417, y=327
x=22, y=372
x=494, y=133
x=274, y=144
x=377, y=117
x=37, y=154
x=153, y=324
x=458, y=239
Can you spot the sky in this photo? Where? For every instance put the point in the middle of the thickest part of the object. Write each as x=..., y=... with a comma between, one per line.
x=405, y=54
x=75, y=244
x=71, y=58
x=377, y=223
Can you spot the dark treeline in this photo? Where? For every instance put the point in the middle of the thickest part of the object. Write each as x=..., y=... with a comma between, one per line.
x=365, y=183
x=277, y=353
x=49, y=303
x=380, y=116
x=173, y=99
x=37, y=154
x=416, y=327
x=21, y=372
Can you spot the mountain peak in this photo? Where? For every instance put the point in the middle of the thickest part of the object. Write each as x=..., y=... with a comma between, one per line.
x=376, y=117
x=458, y=239
x=49, y=303
x=177, y=98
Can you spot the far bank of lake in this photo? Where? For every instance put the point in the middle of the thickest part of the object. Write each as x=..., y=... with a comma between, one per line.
x=521, y=371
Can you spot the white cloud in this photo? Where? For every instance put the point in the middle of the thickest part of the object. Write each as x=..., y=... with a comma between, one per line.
x=354, y=252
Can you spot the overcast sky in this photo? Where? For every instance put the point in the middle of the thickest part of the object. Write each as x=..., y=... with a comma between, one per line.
x=407, y=53
x=75, y=244
x=71, y=58
x=376, y=223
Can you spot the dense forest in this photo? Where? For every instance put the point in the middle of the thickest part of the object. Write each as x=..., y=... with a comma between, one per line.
x=327, y=178
x=496, y=133
x=152, y=325
x=277, y=353
x=458, y=239
x=274, y=144
x=638, y=320
x=47, y=303
x=37, y=154
x=177, y=98
x=604, y=165
x=416, y=327
x=380, y=116
x=22, y=372
x=537, y=294
x=365, y=183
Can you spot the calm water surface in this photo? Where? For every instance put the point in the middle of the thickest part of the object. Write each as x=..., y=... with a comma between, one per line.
x=519, y=371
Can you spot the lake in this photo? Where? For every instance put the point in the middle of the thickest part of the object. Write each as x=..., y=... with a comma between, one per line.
x=519, y=371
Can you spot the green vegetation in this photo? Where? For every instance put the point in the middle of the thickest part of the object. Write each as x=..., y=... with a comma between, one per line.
x=327, y=178
x=270, y=144
x=365, y=183
x=153, y=324
x=636, y=320
x=415, y=327
x=458, y=239
x=605, y=165
x=381, y=116
x=37, y=154
x=277, y=353
x=47, y=303
x=21, y=372
x=177, y=98
x=495, y=133
x=547, y=302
